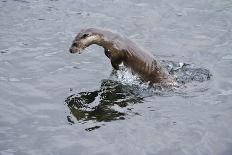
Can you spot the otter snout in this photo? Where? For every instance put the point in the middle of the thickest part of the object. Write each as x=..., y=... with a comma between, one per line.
x=75, y=50
x=71, y=50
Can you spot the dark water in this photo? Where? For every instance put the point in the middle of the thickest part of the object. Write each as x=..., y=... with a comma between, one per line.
x=54, y=102
x=110, y=102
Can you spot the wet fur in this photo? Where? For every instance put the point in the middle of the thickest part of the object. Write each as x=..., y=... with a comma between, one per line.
x=119, y=50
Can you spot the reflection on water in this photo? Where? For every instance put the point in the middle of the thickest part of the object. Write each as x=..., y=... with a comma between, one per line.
x=37, y=71
x=103, y=104
x=115, y=94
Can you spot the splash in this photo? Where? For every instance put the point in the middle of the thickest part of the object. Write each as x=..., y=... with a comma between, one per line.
x=187, y=73
x=125, y=76
x=117, y=94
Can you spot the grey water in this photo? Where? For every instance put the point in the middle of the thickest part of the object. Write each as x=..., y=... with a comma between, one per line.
x=54, y=102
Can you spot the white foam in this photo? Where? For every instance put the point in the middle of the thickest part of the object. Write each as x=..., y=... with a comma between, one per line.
x=125, y=76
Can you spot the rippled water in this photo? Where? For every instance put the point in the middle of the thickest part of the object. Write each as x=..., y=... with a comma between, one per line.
x=54, y=102
x=113, y=100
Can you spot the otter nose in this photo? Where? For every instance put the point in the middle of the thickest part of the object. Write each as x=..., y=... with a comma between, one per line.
x=70, y=50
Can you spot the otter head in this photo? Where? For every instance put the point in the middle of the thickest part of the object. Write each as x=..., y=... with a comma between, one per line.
x=85, y=38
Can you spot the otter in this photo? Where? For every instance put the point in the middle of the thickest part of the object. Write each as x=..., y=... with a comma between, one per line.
x=120, y=50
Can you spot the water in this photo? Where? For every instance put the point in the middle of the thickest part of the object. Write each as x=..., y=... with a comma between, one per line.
x=43, y=86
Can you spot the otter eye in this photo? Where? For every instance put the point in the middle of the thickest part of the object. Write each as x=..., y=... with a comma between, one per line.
x=74, y=44
x=84, y=36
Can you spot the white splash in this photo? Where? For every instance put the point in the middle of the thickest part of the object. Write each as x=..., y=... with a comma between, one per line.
x=125, y=76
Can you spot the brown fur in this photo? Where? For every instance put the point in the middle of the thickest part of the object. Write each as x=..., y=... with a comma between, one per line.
x=122, y=50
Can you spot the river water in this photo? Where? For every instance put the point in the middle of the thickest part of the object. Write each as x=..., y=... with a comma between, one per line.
x=54, y=102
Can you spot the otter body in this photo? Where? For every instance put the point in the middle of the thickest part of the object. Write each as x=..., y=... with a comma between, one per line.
x=122, y=50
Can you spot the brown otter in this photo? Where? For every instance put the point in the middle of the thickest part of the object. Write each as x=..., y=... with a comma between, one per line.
x=122, y=50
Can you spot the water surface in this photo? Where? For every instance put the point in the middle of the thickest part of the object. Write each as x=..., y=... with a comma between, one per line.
x=40, y=81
